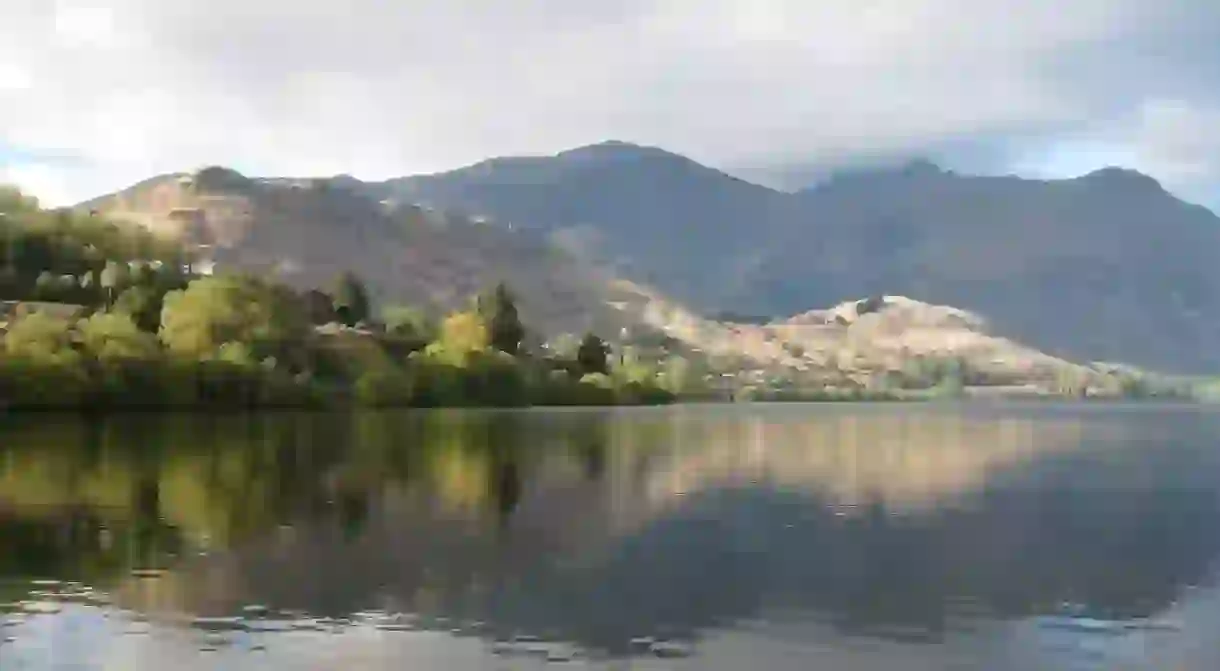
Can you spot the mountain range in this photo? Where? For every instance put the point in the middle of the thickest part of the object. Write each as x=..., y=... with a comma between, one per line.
x=1105, y=267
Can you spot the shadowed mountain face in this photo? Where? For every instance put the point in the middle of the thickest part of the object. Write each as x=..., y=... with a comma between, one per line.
x=659, y=217
x=1108, y=266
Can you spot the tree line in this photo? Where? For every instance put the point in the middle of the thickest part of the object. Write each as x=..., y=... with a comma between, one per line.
x=140, y=329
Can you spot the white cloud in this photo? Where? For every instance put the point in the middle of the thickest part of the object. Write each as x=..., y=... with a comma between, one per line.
x=49, y=184
x=14, y=78
x=84, y=26
x=1178, y=140
x=379, y=89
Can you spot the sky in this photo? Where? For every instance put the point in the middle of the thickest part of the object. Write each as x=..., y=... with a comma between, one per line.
x=96, y=95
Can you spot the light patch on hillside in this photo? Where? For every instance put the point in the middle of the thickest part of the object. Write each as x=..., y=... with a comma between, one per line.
x=840, y=341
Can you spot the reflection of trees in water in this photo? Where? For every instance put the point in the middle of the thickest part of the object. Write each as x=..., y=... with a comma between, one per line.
x=572, y=522
x=222, y=482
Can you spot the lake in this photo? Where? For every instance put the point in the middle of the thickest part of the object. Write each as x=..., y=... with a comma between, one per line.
x=852, y=537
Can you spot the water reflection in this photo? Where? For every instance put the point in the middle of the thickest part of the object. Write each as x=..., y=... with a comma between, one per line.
x=664, y=532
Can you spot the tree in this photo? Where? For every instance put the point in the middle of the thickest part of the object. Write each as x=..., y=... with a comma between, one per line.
x=591, y=355
x=499, y=312
x=870, y=305
x=408, y=322
x=142, y=274
x=111, y=336
x=213, y=311
x=46, y=287
x=320, y=306
x=142, y=304
x=952, y=379
x=113, y=277
x=39, y=367
x=463, y=333
x=351, y=299
x=677, y=374
x=42, y=337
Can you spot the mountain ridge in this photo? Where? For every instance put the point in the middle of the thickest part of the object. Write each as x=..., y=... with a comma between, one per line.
x=1083, y=266
x=304, y=232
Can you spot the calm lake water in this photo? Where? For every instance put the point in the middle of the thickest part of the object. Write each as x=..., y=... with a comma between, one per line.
x=772, y=537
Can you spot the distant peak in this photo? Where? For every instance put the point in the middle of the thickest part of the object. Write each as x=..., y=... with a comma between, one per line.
x=611, y=144
x=1122, y=177
x=218, y=178
x=614, y=149
x=608, y=145
x=921, y=166
x=345, y=181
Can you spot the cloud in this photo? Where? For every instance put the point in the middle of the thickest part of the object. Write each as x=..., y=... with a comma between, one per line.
x=49, y=182
x=1178, y=140
x=84, y=26
x=373, y=88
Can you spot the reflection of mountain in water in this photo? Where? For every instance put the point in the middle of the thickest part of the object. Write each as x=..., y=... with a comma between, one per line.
x=902, y=459
x=602, y=527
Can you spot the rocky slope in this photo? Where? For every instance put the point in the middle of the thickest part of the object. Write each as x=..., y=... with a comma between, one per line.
x=862, y=342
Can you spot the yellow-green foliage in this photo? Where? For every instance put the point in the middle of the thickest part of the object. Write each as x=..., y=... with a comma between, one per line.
x=39, y=367
x=111, y=336
x=41, y=337
x=212, y=311
x=462, y=335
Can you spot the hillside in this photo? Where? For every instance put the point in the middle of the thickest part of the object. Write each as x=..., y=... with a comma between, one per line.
x=863, y=343
x=305, y=232
x=1108, y=266
x=652, y=215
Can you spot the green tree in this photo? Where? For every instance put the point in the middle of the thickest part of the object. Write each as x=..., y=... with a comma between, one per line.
x=143, y=274
x=677, y=375
x=320, y=306
x=213, y=311
x=592, y=354
x=388, y=387
x=39, y=367
x=408, y=322
x=41, y=337
x=142, y=304
x=499, y=312
x=352, y=303
x=46, y=287
x=111, y=336
x=952, y=378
